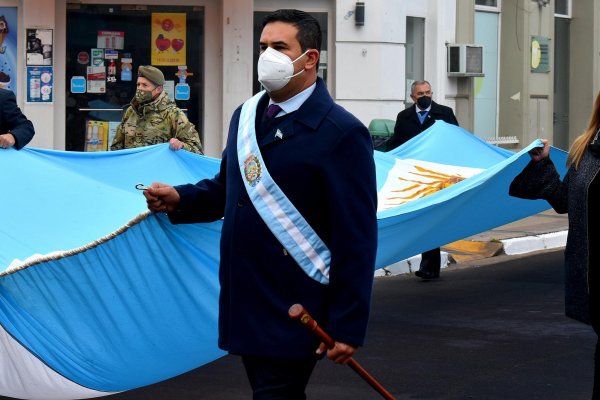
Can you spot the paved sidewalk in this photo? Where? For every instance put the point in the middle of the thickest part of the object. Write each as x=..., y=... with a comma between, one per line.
x=545, y=222
x=546, y=230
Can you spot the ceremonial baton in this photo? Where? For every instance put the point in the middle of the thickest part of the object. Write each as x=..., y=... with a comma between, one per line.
x=297, y=311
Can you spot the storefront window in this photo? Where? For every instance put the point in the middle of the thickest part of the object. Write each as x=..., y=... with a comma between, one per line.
x=105, y=46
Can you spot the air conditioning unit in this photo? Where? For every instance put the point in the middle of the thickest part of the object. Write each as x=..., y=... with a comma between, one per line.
x=465, y=60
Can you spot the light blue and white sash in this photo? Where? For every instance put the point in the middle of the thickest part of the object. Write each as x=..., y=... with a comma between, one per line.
x=280, y=215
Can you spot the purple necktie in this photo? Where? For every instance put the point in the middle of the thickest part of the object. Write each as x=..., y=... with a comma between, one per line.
x=273, y=110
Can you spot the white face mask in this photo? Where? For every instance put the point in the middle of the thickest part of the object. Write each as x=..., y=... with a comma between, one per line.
x=275, y=69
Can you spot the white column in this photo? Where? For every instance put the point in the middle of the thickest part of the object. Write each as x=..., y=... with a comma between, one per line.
x=237, y=56
x=40, y=14
x=369, y=67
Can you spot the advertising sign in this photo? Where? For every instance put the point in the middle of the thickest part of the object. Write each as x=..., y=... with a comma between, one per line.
x=39, y=46
x=168, y=39
x=39, y=84
x=8, y=48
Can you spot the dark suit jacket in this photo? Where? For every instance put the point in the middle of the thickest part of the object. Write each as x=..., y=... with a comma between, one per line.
x=408, y=125
x=13, y=120
x=324, y=164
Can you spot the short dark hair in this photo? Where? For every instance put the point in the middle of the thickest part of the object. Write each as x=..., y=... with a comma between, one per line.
x=309, y=31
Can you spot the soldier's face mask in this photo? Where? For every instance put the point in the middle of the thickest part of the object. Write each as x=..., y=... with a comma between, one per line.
x=143, y=96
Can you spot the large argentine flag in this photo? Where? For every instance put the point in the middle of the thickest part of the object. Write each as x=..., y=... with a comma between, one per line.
x=98, y=296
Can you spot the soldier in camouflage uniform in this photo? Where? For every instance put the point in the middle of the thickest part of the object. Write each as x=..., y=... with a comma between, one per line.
x=154, y=118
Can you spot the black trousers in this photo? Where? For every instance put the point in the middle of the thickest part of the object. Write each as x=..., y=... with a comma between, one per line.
x=278, y=378
x=596, y=395
x=430, y=261
x=595, y=320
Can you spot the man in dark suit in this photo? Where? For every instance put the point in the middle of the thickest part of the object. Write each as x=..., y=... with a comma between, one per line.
x=15, y=129
x=321, y=158
x=409, y=123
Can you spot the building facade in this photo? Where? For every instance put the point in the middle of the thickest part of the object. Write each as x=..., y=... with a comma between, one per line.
x=72, y=63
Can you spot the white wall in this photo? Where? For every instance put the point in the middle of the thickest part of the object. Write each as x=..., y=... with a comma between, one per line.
x=39, y=14
x=237, y=56
x=369, y=72
x=440, y=28
x=214, y=132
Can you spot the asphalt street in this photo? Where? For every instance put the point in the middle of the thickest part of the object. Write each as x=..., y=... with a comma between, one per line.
x=487, y=329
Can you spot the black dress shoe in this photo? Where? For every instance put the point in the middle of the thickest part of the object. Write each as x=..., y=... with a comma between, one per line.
x=427, y=274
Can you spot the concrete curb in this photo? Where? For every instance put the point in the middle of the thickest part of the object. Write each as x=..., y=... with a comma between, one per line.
x=514, y=246
x=407, y=266
x=529, y=244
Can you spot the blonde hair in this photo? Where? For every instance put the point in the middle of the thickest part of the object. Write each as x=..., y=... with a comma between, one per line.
x=580, y=144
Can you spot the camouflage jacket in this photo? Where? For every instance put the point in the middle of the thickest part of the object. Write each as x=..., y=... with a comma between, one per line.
x=153, y=123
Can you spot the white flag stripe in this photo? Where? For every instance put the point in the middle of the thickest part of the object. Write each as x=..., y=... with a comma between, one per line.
x=293, y=230
x=24, y=376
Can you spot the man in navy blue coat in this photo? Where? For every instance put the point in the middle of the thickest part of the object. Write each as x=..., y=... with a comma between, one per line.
x=321, y=157
x=15, y=129
x=409, y=123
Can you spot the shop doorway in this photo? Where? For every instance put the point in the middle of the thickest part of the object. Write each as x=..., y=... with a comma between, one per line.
x=487, y=25
x=562, y=34
x=105, y=46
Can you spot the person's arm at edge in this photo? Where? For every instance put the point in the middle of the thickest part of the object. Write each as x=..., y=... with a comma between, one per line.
x=540, y=180
x=186, y=134
x=20, y=127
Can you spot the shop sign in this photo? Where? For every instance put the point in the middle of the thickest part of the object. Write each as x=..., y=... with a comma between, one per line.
x=168, y=32
x=8, y=47
x=97, y=57
x=111, y=40
x=83, y=57
x=39, y=46
x=78, y=84
x=96, y=80
x=182, y=91
x=39, y=84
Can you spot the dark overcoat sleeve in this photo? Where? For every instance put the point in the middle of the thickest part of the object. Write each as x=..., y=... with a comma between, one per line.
x=540, y=180
x=450, y=118
x=12, y=120
x=441, y=112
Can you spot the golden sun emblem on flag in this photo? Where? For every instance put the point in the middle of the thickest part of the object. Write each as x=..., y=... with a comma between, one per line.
x=252, y=170
x=436, y=182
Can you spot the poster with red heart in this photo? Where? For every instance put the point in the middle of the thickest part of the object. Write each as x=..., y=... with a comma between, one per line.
x=168, y=39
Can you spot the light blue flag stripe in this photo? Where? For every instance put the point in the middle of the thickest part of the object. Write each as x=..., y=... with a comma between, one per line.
x=112, y=313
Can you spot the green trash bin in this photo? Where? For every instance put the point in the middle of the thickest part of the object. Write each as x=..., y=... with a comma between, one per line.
x=381, y=130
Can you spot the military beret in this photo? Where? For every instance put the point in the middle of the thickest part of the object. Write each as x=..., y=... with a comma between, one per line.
x=151, y=73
